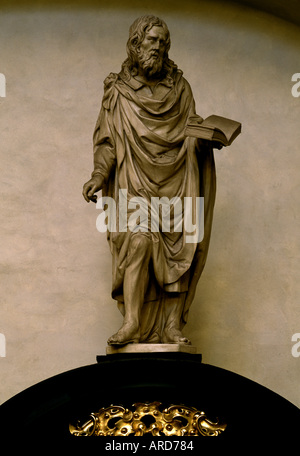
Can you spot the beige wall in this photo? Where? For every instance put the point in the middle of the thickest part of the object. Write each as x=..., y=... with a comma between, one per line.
x=56, y=311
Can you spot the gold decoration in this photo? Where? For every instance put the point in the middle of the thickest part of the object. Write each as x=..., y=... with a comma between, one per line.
x=176, y=420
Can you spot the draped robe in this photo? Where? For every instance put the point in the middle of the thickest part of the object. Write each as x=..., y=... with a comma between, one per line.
x=140, y=147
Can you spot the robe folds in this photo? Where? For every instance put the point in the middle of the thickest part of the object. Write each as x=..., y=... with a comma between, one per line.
x=140, y=147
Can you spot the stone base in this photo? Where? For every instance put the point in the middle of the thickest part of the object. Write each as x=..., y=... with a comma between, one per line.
x=151, y=348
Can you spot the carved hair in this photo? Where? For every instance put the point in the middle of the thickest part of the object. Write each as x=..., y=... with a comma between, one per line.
x=137, y=33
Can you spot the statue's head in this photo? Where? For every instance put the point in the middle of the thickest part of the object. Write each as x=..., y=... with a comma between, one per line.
x=147, y=48
x=138, y=31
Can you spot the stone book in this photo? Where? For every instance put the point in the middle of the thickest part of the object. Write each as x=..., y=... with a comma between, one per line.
x=214, y=128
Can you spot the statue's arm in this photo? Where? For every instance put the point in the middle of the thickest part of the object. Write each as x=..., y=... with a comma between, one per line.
x=193, y=116
x=104, y=157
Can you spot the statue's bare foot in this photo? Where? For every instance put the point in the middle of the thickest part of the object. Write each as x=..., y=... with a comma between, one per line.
x=127, y=334
x=174, y=336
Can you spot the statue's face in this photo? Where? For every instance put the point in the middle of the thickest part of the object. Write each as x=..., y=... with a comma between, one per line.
x=152, y=50
x=154, y=42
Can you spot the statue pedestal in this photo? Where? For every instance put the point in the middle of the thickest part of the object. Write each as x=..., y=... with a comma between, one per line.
x=151, y=348
x=149, y=386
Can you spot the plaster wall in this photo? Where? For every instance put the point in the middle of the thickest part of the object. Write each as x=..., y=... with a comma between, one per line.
x=56, y=311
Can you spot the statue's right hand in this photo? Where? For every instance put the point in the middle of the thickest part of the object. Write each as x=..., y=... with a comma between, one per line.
x=91, y=187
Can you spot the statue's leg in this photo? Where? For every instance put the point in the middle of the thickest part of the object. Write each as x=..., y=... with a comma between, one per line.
x=151, y=322
x=173, y=307
x=135, y=283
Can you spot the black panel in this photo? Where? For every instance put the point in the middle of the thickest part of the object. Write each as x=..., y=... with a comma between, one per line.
x=253, y=413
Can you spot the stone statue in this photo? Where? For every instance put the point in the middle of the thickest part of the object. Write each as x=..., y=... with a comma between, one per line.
x=140, y=148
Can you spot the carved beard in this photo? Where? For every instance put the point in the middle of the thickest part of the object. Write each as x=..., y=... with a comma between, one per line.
x=151, y=63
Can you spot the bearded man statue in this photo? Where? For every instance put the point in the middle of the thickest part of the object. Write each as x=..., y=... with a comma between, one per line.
x=140, y=148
